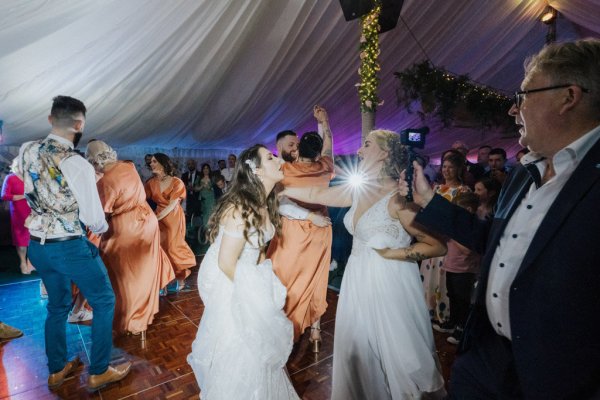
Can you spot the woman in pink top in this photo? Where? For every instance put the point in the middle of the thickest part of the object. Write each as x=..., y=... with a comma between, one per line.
x=13, y=191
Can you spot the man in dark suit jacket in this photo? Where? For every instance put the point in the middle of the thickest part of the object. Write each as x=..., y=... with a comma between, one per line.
x=534, y=330
x=191, y=178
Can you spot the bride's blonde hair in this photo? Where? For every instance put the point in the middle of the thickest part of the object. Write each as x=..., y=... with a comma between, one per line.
x=397, y=159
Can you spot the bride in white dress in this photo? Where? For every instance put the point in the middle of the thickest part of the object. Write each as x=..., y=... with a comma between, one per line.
x=383, y=345
x=244, y=338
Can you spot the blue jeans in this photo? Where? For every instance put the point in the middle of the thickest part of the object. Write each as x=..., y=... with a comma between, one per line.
x=58, y=264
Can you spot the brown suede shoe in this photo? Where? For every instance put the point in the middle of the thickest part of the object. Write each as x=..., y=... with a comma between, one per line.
x=8, y=332
x=112, y=374
x=57, y=379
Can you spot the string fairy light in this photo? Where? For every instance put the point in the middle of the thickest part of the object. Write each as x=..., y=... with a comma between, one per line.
x=369, y=63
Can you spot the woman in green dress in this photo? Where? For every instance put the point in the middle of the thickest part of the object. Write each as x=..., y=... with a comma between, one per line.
x=207, y=202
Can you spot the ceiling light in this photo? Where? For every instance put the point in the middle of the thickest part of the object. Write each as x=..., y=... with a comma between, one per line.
x=549, y=15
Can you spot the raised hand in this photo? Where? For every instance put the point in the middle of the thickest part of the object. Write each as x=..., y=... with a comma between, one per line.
x=320, y=114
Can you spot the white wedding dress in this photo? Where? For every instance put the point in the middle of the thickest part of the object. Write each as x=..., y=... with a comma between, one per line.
x=383, y=347
x=244, y=338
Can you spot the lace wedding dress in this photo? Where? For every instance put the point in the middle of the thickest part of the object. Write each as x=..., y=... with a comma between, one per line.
x=383, y=347
x=244, y=338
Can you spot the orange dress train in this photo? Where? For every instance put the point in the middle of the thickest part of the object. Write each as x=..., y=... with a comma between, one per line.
x=301, y=255
x=137, y=266
x=172, y=227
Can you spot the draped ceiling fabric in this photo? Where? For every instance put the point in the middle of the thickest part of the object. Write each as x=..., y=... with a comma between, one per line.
x=201, y=79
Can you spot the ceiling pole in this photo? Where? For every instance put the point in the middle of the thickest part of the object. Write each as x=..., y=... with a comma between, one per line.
x=369, y=67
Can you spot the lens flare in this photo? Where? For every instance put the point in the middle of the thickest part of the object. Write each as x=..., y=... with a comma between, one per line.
x=356, y=180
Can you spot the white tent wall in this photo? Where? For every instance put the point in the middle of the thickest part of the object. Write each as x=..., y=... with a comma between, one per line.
x=201, y=79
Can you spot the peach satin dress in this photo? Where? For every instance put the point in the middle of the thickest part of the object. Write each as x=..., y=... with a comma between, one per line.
x=137, y=266
x=302, y=253
x=172, y=227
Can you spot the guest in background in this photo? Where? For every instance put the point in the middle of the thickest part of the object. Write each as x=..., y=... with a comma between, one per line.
x=206, y=192
x=13, y=191
x=472, y=172
x=483, y=157
x=461, y=265
x=228, y=172
x=146, y=171
x=168, y=191
x=220, y=186
x=430, y=171
x=137, y=266
x=434, y=277
x=488, y=190
x=190, y=179
x=497, y=162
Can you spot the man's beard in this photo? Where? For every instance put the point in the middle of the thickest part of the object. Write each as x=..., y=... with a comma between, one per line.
x=287, y=156
x=77, y=138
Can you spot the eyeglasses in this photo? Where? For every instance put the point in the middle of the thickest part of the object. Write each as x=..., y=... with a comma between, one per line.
x=518, y=99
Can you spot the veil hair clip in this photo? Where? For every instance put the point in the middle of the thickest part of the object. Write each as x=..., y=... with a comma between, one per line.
x=252, y=165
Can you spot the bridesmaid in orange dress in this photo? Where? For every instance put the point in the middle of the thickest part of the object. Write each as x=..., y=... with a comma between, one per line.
x=168, y=191
x=137, y=266
x=301, y=255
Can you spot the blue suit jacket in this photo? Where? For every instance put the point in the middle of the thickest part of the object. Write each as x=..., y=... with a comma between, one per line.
x=555, y=297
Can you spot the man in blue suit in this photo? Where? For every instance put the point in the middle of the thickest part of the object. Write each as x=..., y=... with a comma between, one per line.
x=534, y=330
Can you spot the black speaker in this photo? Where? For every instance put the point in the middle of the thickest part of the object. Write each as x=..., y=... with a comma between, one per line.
x=390, y=11
x=356, y=8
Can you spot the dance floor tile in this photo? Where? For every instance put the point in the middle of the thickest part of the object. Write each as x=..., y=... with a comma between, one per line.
x=314, y=382
x=160, y=369
x=332, y=299
x=302, y=356
x=184, y=387
x=192, y=307
x=168, y=313
x=328, y=327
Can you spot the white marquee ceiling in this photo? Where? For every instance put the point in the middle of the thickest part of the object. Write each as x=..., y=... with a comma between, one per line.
x=204, y=77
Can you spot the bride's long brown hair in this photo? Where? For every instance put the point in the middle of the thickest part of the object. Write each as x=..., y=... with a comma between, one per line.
x=246, y=194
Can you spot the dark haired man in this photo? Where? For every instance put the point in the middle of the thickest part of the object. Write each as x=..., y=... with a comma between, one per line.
x=497, y=163
x=191, y=179
x=302, y=253
x=145, y=170
x=287, y=145
x=482, y=156
x=60, y=188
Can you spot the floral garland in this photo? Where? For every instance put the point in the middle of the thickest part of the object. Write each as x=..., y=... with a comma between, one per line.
x=445, y=96
x=369, y=64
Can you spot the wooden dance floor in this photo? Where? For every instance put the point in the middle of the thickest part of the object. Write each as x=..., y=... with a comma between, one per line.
x=160, y=370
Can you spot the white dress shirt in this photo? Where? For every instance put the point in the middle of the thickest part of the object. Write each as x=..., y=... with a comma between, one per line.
x=227, y=174
x=81, y=178
x=523, y=225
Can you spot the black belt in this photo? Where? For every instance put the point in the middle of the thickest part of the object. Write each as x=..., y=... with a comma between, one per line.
x=54, y=240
